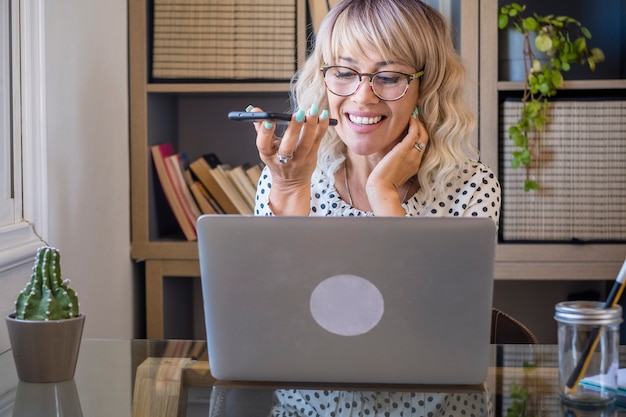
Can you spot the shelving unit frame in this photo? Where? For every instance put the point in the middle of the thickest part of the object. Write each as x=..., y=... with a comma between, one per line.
x=167, y=255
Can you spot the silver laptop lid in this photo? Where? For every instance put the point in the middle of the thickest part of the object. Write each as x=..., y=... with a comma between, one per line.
x=347, y=299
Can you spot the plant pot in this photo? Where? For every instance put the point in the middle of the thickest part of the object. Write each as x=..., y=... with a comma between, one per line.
x=511, y=65
x=45, y=351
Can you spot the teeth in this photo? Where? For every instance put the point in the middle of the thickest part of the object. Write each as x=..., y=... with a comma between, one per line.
x=364, y=120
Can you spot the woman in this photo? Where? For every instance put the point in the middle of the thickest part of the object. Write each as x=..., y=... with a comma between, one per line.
x=388, y=72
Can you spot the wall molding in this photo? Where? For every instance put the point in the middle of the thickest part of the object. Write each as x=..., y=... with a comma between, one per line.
x=20, y=241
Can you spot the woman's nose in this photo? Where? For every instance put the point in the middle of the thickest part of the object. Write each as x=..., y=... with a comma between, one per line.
x=365, y=93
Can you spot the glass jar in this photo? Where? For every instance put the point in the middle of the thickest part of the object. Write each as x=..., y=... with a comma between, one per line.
x=588, y=342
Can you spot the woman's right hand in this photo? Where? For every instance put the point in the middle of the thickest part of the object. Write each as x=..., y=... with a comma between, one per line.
x=395, y=169
x=291, y=159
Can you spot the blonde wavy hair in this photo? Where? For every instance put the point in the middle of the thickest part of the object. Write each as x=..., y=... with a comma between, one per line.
x=411, y=32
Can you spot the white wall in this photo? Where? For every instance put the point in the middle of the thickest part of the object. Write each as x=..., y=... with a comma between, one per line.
x=88, y=157
x=88, y=163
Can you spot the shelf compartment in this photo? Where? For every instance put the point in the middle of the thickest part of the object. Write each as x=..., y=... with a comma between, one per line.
x=216, y=40
x=577, y=161
x=197, y=124
x=607, y=25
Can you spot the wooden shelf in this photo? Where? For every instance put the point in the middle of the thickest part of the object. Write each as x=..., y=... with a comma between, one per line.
x=570, y=85
x=559, y=261
x=164, y=250
x=231, y=87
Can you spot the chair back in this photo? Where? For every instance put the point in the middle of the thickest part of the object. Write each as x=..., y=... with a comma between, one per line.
x=506, y=329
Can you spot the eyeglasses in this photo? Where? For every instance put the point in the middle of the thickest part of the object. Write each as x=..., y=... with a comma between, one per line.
x=386, y=85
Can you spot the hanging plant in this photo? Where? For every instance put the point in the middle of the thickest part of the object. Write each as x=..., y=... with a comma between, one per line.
x=563, y=40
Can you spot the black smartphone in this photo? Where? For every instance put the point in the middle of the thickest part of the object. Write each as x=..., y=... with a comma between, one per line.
x=253, y=116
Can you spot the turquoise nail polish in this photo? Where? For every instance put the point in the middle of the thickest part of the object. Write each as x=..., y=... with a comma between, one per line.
x=250, y=107
x=324, y=115
x=416, y=112
x=268, y=125
x=314, y=109
x=300, y=116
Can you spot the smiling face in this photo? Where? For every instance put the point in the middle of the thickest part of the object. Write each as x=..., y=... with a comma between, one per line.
x=367, y=124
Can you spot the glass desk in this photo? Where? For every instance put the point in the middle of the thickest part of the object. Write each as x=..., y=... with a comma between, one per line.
x=157, y=378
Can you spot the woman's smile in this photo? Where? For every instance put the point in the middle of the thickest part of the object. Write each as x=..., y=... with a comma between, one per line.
x=364, y=120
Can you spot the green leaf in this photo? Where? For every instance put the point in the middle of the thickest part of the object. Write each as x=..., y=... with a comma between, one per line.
x=503, y=21
x=557, y=24
x=539, y=122
x=520, y=140
x=518, y=137
x=515, y=161
x=530, y=24
x=557, y=79
x=543, y=42
x=526, y=157
x=580, y=45
x=530, y=185
x=532, y=108
x=592, y=64
x=566, y=49
x=597, y=54
x=585, y=32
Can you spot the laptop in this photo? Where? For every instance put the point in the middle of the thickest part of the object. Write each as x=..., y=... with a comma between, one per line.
x=383, y=300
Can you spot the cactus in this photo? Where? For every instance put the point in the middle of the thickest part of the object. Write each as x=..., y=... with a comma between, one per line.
x=47, y=296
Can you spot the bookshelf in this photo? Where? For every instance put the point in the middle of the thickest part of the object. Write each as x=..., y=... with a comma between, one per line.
x=192, y=115
x=545, y=260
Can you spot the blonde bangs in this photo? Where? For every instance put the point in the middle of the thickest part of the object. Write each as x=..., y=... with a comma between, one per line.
x=358, y=30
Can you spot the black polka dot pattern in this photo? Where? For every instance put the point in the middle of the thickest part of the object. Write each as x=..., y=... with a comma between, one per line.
x=330, y=403
x=475, y=192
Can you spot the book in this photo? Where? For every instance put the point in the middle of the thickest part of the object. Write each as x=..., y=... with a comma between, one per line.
x=230, y=189
x=211, y=200
x=200, y=192
x=168, y=183
x=203, y=170
x=174, y=164
x=238, y=177
x=197, y=189
x=595, y=383
x=254, y=173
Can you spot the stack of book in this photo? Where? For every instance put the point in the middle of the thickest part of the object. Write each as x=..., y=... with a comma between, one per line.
x=204, y=186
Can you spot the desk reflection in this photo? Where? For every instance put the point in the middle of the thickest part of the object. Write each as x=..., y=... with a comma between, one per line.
x=463, y=401
x=58, y=399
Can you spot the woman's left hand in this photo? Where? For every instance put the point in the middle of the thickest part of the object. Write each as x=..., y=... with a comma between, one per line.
x=395, y=169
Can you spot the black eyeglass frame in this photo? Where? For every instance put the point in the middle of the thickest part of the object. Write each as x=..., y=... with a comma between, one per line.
x=409, y=78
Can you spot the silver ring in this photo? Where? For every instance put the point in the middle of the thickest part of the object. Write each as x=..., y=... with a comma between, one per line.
x=419, y=146
x=284, y=159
